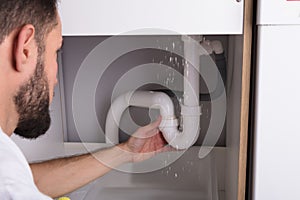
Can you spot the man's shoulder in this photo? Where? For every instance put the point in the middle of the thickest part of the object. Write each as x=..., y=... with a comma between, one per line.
x=13, y=165
x=16, y=181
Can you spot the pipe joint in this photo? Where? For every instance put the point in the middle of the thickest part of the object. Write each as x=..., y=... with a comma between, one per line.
x=168, y=123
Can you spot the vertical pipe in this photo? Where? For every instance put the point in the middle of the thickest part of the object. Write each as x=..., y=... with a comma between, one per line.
x=191, y=72
x=191, y=87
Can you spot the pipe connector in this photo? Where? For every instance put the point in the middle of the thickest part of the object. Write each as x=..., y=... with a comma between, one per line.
x=217, y=47
x=169, y=128
x=189, y=38
x=167, y=123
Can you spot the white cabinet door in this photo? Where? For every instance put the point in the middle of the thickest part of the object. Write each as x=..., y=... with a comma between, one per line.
x=277, y=131
x=278, y=12
x=112, y=17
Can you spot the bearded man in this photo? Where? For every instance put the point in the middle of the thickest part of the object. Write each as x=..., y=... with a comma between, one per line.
x=30, y=37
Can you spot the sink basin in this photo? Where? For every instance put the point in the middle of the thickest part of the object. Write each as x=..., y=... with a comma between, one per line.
x=145, y=194
x=188, y=178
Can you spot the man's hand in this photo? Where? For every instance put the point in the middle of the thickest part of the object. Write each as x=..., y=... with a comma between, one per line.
x=145, y=142
x=61, y=176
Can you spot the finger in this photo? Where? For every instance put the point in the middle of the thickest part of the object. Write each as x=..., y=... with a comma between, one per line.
x=159, y=140
x=153, y=125
x=167, y=148
x=152, y=132
x=147, y=134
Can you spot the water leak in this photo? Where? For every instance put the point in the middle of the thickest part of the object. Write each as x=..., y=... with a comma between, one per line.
x=176, y=175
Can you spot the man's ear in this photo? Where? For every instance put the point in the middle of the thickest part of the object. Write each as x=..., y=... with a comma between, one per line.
x=25, y=47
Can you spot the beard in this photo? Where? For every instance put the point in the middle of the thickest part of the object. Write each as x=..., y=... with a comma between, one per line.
x=32, y=104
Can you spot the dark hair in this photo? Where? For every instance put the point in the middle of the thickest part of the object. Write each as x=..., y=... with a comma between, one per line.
x=14, y=14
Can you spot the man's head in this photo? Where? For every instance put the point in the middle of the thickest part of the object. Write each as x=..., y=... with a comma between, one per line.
x=30, y=32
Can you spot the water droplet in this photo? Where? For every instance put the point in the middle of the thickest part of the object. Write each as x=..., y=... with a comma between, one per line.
x=183, y=169
x=180, y=100
x=176, y=175
x=173, y=79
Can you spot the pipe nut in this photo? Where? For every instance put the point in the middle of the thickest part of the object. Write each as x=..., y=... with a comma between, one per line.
x=168, y=123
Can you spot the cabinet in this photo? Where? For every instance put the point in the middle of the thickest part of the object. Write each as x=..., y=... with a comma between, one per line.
x=86, y=23
x=138, y=17
x=283, y=127
x=278, y=12
x=276, y=136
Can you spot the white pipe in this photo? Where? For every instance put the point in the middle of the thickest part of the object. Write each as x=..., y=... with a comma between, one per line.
x=168, y=126
x=146, y=99
x=217, y=47
x=113, y=119
x=190, y=111
x=214, y=46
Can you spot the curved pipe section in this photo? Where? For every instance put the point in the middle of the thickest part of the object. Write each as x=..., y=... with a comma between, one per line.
x=145, y=99
x=169, y=124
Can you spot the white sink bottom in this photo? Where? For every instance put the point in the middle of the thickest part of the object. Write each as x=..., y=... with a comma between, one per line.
x=188, y=178
x=144, y=194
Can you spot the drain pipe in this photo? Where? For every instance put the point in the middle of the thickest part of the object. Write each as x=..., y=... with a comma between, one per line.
x=190, y=110
x=168, y=126
x=144, y=99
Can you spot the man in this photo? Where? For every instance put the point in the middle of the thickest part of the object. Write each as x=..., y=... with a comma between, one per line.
x=30, y=36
